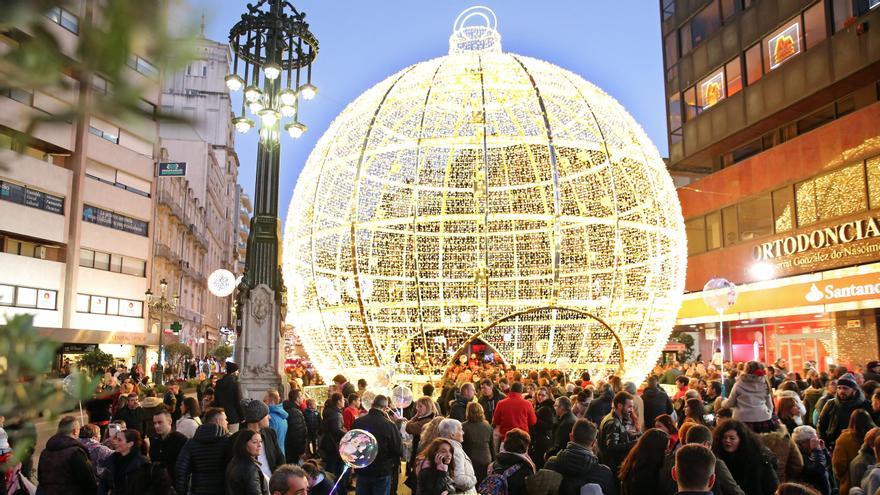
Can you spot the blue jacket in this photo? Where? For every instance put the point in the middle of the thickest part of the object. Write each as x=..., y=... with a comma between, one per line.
x=278, y=422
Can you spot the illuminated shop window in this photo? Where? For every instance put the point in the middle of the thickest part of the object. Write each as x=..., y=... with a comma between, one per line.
x=780, y=46
x=711, y=90
x=713, y=230
x=873, y=165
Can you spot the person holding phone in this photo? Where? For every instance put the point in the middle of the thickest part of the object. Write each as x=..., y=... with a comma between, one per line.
x=435, y=475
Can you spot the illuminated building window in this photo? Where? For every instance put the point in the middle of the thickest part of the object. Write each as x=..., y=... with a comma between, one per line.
x=832, y=195
x=841, y=10
x=711, y=90
x=783, y=205
x=873, y=165
x=690, y=104
x=841, y=192
x=675, y=111
x=753, y=64
x=733, y=72
x=782, y=45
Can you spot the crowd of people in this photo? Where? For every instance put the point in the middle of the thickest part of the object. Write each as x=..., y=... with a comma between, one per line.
x=486, y=428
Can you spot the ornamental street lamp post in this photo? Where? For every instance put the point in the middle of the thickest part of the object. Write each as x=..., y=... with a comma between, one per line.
x=161, y=304
x=273, y=43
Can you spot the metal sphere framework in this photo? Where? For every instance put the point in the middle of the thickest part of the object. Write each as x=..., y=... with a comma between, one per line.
x=484, y=194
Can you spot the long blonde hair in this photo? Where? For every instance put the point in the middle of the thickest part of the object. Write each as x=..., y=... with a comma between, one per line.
x=428, y=404
x=429, y=432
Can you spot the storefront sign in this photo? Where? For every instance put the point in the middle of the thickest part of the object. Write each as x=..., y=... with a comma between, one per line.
x=817, y=293
x=172, y=169
x=784, y=45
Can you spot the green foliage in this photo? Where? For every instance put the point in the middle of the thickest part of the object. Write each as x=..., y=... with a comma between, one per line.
x=94, y=360
x=688, y=341
x=222, y=352
x=176, y=352
x=26, y=391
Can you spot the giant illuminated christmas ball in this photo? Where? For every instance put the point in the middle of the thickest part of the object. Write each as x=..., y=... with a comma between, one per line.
x=484, y=195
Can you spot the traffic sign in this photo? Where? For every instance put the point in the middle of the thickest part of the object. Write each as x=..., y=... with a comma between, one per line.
x=172, y=169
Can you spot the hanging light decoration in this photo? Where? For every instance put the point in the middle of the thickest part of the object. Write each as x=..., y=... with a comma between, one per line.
x=272, y=40
x=490, y=194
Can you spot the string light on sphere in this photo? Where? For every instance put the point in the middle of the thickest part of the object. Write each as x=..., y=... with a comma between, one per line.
x=490, y=195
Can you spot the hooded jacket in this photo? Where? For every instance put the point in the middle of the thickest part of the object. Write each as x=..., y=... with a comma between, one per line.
x=750, y=399
x=724, y=482
x=65, y=468
x=201, y=465
x=278, y=422
x=579, y=466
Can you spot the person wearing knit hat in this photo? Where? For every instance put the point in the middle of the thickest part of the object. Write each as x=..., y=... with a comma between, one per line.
x=256, y=418
x=834, y=417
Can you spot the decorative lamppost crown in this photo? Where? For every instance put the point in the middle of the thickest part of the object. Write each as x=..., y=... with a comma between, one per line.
x=273, y=43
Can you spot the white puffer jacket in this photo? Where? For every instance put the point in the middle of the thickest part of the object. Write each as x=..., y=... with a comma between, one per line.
x=750, y=399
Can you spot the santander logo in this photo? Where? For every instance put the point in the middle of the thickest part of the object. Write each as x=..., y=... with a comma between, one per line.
x=831, y=292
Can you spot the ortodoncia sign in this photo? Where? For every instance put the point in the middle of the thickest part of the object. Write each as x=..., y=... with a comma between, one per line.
x=172, y=169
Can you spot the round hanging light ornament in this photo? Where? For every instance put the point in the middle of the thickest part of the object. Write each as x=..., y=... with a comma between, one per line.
x=221, y=282
x=495, y=187
x=234, y=82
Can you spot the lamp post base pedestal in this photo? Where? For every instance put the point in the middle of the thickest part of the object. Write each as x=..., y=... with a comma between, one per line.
x=258, y=351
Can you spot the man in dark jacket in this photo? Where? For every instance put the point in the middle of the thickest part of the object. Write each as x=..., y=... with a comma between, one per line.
x=578, y=465
x=297, y=435
x=562, y=428
x=165, y=445
x=256, y=418
x=872, y=371
x=601, y=405
x=201, y=465
x=834, y=417
x=656, y=401
x=227, y=395
x=132, y=413
x=490, y=396
x=376, y=478
x=64, y=466
x=458, y=407
x=618, y=432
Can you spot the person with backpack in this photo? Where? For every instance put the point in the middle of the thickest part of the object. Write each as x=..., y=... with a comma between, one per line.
x=508, y=473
